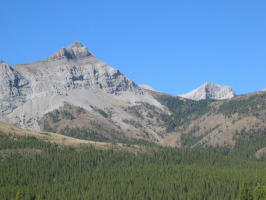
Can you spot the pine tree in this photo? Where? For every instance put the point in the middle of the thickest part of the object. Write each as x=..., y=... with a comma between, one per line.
x=38, y=197
x=20, y=195
x=260, y=193
x=245, y=193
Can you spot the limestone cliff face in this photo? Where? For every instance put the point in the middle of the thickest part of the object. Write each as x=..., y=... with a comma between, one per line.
x=210, y=91
x=73, y=75
x=13, y=89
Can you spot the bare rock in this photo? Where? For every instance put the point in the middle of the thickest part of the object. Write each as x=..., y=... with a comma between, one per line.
x=74, y=51
x=210, y=91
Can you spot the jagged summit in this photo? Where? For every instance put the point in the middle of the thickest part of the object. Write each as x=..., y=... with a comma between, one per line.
x=74, y=51
x=210, y=91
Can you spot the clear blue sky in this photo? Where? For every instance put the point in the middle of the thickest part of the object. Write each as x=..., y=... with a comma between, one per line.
x=173, y=46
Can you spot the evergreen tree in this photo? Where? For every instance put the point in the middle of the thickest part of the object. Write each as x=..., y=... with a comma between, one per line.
x=260, y=193
x=20, y=195
x=39, y=197
x=87, y=173
x=245, y=193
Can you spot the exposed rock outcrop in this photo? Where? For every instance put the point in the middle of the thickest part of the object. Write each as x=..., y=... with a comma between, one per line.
x=74, y=51
x=210, y=91
x=13, y=89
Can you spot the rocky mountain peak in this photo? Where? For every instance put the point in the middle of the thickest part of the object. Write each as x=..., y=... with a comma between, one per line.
x=74, y=51
x=76, y=44
x=210, y=91
x=209, y=84
x=73, y=75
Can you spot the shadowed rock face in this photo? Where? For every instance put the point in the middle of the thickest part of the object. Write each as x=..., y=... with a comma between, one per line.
x=13, y=88
x=210, y=91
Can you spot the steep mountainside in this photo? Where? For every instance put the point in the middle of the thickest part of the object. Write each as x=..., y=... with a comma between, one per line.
x=210, y=91
x=74, y=76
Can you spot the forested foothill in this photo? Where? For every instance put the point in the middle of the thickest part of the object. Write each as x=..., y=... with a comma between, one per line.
x=34, y=169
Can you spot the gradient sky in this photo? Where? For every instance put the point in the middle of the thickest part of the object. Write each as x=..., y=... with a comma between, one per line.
x=173, y=46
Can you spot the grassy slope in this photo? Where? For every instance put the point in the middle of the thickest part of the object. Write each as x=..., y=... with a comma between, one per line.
x=96, y=124
x=14, y=132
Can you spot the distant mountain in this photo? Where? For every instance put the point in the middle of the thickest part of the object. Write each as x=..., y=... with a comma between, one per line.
x=147, y=87
x=210, y=91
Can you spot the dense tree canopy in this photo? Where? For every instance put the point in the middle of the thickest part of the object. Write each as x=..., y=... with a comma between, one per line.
x=53, y=172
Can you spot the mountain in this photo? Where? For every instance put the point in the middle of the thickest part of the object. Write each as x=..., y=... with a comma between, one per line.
x=210, y=91
x=74, y=94
x=74, y=78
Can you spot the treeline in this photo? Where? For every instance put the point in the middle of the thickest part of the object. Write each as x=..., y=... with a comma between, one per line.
x=158, y=173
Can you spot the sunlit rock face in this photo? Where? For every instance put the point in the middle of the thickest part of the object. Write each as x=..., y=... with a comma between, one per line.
x=73, y=75
x=210, y=91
